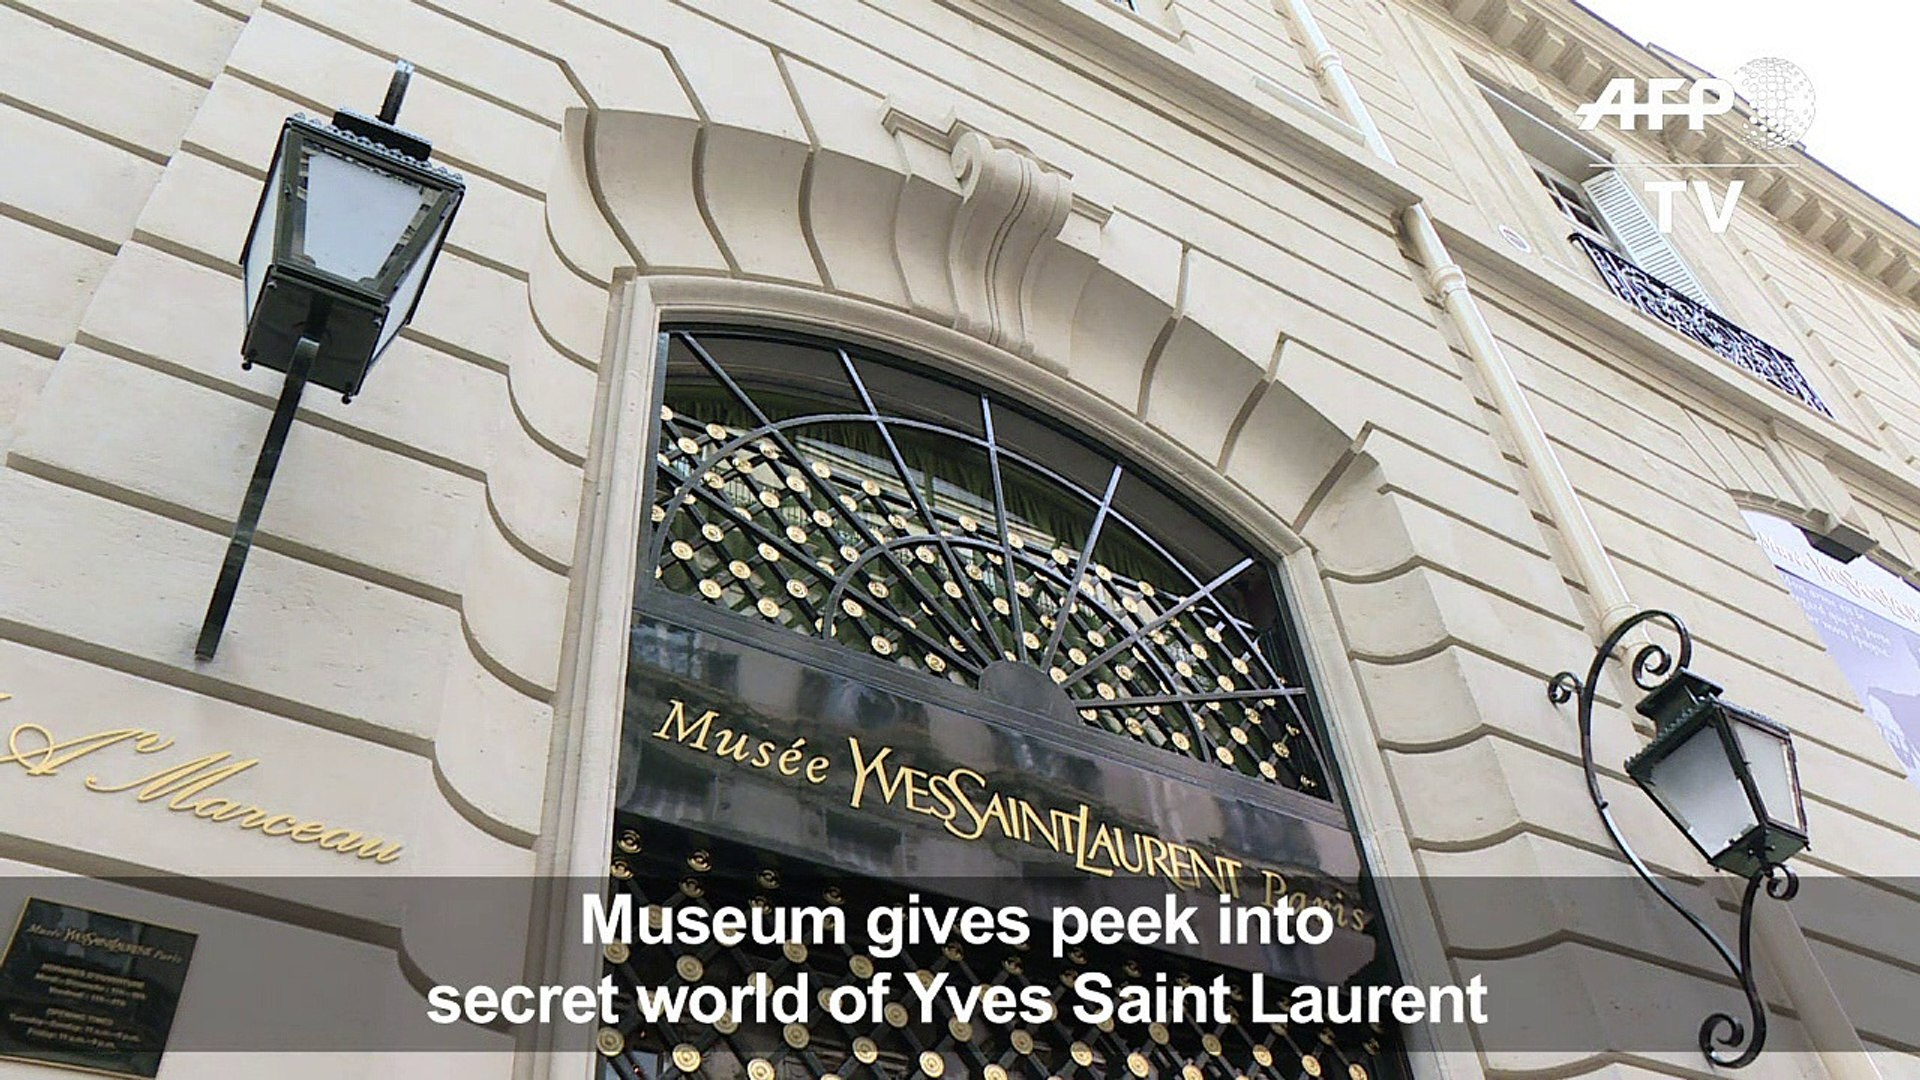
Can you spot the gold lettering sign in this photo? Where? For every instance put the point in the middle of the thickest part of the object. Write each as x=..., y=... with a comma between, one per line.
x=967, y=805
x=185, y=786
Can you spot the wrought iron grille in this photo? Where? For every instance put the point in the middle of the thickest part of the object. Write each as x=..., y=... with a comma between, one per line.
x=665, y=867
x=1655, y=298
x=912, y=529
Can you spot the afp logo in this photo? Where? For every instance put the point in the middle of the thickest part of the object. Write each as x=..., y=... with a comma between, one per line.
x=1779, y=102
x=1706, y=97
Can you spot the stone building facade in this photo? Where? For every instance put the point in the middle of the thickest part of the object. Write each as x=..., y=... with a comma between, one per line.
x=1292, y=258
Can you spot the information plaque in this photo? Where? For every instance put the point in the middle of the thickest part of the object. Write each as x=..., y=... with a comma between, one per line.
x=89, y=990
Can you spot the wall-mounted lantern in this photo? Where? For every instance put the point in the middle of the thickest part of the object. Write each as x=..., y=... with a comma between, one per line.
x=346, y=233
x=1727, y=777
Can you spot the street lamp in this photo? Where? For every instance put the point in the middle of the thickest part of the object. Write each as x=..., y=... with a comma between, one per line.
x=1727, y=777
x=348, y=227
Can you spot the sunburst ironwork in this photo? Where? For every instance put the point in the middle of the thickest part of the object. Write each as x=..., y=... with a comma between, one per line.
x=929, y=542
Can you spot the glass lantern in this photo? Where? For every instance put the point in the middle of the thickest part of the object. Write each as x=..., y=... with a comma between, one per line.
x=341, y=245
x=1726, y=775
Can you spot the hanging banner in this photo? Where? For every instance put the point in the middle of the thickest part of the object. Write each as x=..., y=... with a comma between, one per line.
x=1869, y=620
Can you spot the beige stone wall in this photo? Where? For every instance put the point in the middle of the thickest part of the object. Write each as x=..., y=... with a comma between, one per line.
x=1664, y=468
x=422, y=642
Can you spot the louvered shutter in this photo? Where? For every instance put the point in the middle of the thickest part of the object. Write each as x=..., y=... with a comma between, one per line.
x=1631, y=225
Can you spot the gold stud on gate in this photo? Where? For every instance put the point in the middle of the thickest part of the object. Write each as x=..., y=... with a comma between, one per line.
x=1137, y=1064
x=1022, y=1042
x=864, y=1051
x=686, y=1058
x=1311, y=1064
x=616, y=952
x=933, y=1064
x=796, y=1036
x=1081, y=1053
x=760, y=1069
x=609, y=1041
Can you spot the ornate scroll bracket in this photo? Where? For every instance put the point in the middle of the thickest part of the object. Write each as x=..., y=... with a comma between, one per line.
x=1723, y=1039
x=1012, y=205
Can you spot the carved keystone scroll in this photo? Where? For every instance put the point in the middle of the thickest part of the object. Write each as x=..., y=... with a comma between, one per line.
x=1001, y=254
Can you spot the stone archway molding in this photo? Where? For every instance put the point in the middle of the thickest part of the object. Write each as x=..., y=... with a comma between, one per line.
x=938, y=238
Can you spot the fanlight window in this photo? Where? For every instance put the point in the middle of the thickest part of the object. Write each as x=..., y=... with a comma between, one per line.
x=843, y=496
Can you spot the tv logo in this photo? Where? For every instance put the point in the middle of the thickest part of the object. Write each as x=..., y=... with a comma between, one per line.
x=1707, y=97
x=1718, y=218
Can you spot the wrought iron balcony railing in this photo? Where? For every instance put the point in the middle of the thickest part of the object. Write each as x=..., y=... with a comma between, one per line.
x=1699, y=322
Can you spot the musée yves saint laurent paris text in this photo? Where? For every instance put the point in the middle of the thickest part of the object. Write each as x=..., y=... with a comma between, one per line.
x=967, y=805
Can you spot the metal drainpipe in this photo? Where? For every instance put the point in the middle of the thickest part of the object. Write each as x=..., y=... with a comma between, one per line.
x=1808, y=991
x=1590, y=559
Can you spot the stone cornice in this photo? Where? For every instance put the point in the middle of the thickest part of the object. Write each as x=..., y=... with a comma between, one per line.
x=1578, y=52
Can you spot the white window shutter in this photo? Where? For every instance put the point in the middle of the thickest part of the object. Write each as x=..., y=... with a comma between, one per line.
x=1631, y=225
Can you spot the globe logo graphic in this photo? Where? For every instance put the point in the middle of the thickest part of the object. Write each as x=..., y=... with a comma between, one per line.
x=1780, y=97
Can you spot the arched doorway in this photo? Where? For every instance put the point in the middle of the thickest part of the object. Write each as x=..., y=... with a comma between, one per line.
x=900, y=636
